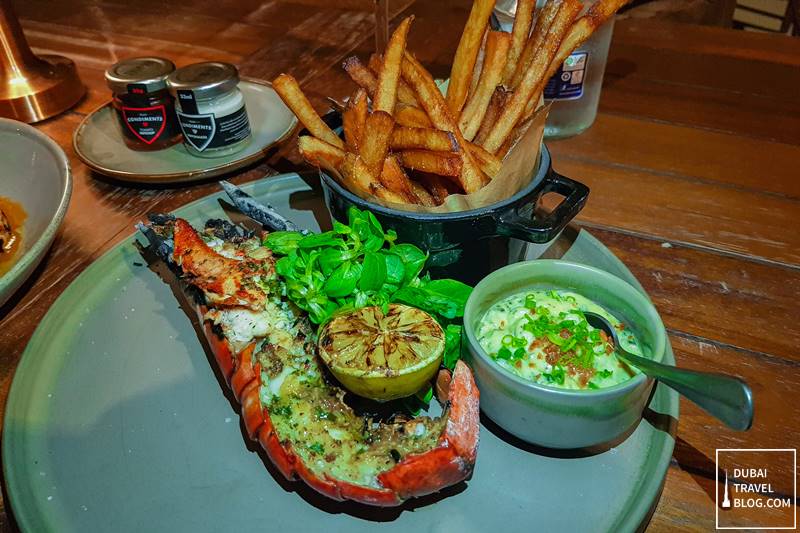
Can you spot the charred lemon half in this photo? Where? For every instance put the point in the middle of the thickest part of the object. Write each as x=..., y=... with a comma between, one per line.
x=382, y=356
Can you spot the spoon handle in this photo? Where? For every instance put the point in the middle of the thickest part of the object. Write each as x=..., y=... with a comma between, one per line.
x=727, y=398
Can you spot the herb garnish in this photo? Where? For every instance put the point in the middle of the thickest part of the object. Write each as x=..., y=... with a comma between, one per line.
x=358, y=264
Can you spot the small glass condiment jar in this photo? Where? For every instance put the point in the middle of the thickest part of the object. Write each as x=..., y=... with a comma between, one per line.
x=144, y=107
x=210, y=108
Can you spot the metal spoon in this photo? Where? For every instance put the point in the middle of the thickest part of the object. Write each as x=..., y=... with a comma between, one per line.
x=725, y=397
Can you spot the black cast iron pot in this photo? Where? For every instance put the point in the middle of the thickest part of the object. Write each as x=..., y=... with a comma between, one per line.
x=469, y=244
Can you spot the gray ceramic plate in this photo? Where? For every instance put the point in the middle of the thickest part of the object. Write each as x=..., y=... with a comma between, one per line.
x=34, y=172
x=116, y=422
x=98, y=142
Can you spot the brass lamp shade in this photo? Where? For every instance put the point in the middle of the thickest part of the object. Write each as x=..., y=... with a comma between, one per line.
x=32, y=88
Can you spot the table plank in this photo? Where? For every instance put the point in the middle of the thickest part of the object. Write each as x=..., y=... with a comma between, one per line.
x=693, y=40
x=736, y=113
x=668, y=150
x=771, y=379
x=744, y=305
x=743, y=223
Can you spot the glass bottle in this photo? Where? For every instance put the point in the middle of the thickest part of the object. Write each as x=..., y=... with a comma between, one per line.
x=574, y=90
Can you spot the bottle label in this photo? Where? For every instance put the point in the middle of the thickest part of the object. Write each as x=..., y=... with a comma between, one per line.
x=146, y=123
x=207, y=131
x=567, y=82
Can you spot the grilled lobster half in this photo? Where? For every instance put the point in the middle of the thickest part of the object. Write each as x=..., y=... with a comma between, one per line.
x=309, y=426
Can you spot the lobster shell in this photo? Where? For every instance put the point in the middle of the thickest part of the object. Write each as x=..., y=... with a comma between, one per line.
x=448, y=463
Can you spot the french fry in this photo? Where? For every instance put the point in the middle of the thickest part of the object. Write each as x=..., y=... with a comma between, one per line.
x=496, y=104
x=404, y=138
x=497, y=45
x=291, y=94
x=353, y=118
x=375, y=141
x=404, y=93
x=439, y=163
x=425, y=198
x=476, y=70
x=411, y=116
x=360, y=74
x=437, y=186
x=535, y=77
x=467, y=54
x=394, y=178
x=519, y=36
x=543, y=22
x=315, y=151
x=582, y=29
x=385, y=194
x=359, y=179
x=489, y=163
x=386, y=94
x=355, y=175
x=472, y=178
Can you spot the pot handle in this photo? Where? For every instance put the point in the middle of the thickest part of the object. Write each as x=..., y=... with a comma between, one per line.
x=511, y=223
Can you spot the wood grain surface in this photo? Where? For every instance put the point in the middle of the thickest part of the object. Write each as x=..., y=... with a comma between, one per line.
x=692, y=162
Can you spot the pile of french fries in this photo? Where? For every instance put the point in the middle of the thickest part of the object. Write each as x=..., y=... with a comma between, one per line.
x=407, y=143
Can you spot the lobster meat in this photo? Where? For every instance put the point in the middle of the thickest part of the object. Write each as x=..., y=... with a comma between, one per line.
x=309, y=426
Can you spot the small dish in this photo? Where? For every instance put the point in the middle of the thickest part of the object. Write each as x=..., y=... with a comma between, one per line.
x=98, y=143
x=549, y=416
x=35, y=174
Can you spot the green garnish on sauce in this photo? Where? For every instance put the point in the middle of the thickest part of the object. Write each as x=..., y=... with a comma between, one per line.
x=544, y=336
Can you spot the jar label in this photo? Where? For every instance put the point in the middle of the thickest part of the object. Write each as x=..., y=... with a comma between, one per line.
x=567, y=82
x=188, y=102
x=146, y=123
x=207, y=131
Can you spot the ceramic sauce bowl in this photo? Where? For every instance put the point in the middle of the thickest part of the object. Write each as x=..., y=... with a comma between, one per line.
x=546, y=415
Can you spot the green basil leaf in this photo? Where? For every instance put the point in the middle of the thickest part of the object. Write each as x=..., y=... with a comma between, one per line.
x=395, y=270
x=317, y=240
x=374, y=272
x=359, y=223
x=282, y=242
x=431, y=302
x=452, y=347
x=353, y=214
x=331, y=258
x=413, y=260
x=374, y=225
x=373, y=243
x=455, y=290
x=342, y=281
x=389, y=288
x=361, y=299
x=340, y=228
x=285, y=267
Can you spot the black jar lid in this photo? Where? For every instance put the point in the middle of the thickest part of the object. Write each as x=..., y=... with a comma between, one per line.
x=205, y=80
x=151, y=72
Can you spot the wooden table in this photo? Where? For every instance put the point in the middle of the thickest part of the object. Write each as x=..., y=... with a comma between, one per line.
x=692, y=162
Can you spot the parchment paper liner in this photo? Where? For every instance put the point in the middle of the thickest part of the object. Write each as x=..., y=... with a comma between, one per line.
x=518, y=169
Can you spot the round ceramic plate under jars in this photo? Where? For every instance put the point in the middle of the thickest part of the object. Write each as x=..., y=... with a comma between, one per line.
x=98, y=143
